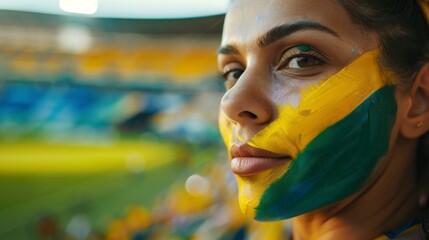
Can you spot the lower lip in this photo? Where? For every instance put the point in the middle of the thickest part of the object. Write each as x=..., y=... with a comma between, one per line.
x=245, y=166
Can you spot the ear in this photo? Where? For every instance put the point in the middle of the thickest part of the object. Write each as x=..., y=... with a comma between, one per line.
x=416, y=121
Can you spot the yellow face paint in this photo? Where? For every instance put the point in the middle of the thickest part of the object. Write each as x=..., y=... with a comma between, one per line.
x=320, y=108
x=252, y=187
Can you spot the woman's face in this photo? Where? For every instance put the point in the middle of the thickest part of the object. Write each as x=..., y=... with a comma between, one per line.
x=304, y=106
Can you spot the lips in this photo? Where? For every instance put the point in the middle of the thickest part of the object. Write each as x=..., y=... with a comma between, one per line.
x=247, y=160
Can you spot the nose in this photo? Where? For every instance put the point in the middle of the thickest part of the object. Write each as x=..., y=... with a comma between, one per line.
x=248, y=102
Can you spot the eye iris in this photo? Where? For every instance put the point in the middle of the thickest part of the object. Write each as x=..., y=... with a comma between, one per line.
x=236, y=74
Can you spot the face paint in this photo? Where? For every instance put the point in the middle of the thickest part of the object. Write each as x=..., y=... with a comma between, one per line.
x=304, y=48
x=335, y=136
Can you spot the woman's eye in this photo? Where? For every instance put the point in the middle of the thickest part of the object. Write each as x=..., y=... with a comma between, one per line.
x=232, y=75
x=303, y=62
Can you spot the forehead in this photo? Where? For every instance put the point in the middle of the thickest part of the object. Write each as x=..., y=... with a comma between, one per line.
x=247, y=19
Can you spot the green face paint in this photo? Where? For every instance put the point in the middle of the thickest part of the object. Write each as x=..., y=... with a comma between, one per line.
x=304, y=48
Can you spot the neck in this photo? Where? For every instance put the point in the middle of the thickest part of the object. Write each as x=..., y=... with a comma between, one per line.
x=385, y=203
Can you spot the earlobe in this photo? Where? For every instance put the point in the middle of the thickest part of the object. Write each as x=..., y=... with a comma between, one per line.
x=416, y=121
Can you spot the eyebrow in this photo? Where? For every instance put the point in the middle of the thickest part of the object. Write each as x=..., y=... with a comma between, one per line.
x=281, y=31
x=284, y=30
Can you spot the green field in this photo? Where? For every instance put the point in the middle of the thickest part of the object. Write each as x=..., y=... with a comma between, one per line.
x=100, y=194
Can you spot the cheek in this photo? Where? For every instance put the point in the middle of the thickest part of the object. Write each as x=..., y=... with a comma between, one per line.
x=290, y=91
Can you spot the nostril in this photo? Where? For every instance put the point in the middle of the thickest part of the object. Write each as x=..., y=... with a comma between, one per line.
x=248, y=115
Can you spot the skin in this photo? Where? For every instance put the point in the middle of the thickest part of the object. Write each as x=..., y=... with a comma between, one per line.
x=260, y=78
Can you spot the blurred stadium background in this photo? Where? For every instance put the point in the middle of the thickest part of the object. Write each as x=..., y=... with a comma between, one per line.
x=108, y=130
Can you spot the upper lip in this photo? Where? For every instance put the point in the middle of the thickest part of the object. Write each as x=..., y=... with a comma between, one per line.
x=246, y=150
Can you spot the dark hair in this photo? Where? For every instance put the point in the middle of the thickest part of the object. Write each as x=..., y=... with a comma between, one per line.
x=403, y=32
x=402, y=29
